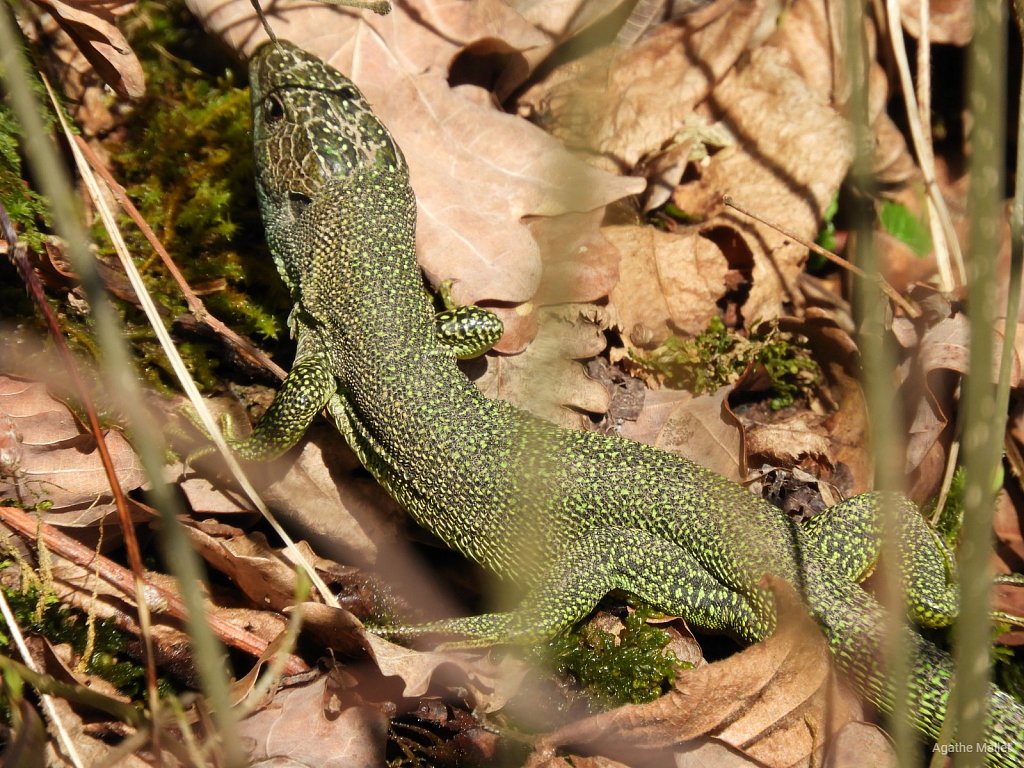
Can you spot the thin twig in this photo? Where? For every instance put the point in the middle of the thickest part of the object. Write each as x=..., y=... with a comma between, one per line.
x=157, y=599
x=35, y=290
x=911, y=310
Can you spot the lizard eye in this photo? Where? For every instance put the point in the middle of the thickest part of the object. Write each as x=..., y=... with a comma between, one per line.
x=273, y=108
x=348, y=93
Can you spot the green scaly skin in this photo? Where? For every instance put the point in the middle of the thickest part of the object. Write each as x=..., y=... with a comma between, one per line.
x=569, y=515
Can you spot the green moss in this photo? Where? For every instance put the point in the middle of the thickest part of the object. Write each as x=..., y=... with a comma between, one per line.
x=718, y=357
x=634, y=667
x=951, y=517
x=38, y=612
x=25, y=206
x=184, y=155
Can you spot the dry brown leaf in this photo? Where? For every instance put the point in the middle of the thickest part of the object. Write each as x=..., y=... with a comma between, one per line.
x=788, y=440
x=704, y=430
x=604, y=102
x=325, y=476
x=668, y=282
x=490, y=686
x=1008, y=528
x=318, y=726
x=812, y=32
x=701, y=429
x=564, y=18
x=1007, y=524
x=847, y=430
x=791, y=154
x=477, y=172
x=949, y=21
x=775, y=702
x=899, y=264
x=54, y=459
x=546, y=379
x=942, y=347
x=580, y=263
x=860, y=744
x=248, y=560
x=206, y=498
x=91, y=26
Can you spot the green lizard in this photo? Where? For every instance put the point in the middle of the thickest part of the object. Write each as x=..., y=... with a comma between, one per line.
x=568, y=515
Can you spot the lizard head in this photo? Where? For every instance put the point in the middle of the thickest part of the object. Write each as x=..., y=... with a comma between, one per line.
x=311, y=127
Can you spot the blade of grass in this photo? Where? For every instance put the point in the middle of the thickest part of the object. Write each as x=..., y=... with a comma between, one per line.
x=120, y=377
x=33, y=676
x=983, y=425
x=178, y=365
x=879, y=363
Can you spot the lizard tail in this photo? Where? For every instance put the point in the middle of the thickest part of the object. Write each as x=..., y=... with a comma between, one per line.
x=855, y=625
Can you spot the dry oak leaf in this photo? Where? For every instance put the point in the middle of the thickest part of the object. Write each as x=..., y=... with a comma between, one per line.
x=488, y=685
x=91, y=26
x=546, y=379
x=701, y=429
x=811, y=31
x=265, y=577
x=625, y=104
x=791, y=154
x=788, y=440
x=312, y=725
x=668, y=282
x=325, y=476
x=477, y=172
x=55, y=460
x=775, y=702
x=945, y=347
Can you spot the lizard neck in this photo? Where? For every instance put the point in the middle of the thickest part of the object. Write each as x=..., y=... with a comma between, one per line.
x=404, y=406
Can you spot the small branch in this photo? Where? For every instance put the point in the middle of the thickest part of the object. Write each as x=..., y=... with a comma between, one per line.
x=911, y=310
x=158, y=599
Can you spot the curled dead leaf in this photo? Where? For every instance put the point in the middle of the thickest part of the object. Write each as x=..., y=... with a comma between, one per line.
x=315, y=724
x=489, y=685
x=546, y=379
x=56, y=461
x=776, y=702
x=91, y=25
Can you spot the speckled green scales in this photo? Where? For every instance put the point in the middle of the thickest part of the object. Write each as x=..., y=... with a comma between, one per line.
x=568, y=515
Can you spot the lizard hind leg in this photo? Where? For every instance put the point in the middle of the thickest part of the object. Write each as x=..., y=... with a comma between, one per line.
x=847, y=538
x=599, y=561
